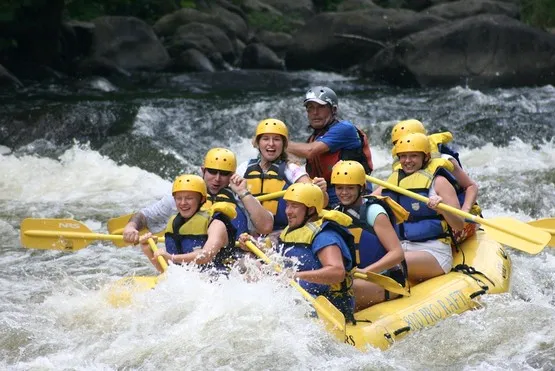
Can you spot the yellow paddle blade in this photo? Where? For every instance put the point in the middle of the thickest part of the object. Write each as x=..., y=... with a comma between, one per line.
x=548, y=225
x=32, y=234
x=121, y=292
x=529, y=239
x=333, y=319
x=116, y=225
x=387, y=283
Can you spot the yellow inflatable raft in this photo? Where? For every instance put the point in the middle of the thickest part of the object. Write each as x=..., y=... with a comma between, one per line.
x=480, y=267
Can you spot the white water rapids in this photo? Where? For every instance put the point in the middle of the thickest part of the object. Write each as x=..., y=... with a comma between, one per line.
x=54, y=314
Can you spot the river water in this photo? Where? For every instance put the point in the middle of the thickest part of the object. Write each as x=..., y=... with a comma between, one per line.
x=96, y=149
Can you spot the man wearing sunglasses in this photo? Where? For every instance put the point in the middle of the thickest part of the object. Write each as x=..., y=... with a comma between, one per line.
x=223, y=184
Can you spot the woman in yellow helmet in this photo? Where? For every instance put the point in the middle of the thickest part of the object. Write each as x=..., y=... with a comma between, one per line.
x=203, y=237
x=377, y=247
x=466, y=187
x=271, y=171
x=425, y=236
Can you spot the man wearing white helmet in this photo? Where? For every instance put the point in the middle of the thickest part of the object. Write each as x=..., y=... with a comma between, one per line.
x=332, y=139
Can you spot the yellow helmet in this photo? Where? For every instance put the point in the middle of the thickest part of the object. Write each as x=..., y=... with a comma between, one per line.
x=415, y=142
x=405, y=127
x=272, y=126
x=189, y=182
x=220, y=159
x=307, y=194
x=348, y=172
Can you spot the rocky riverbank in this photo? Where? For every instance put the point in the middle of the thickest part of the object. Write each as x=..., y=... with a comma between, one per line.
x=478, y=43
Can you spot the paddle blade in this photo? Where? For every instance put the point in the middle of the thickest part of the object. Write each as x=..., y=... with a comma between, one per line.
x=535, y=241
x=387, y=283
x=548, y=225
x=121, y=292
x=333, y=319
x=53, y=242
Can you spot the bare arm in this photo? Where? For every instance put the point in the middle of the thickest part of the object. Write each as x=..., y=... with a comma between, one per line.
x=133, y=226
x=387, y=236
x=445, y=190
x=470, y=187
x=332, y=270
x=217, y=239
x=307, y=150
x=262, y=219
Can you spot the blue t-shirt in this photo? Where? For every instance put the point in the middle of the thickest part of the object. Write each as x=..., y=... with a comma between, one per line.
x=330, y=237
x=342, y=135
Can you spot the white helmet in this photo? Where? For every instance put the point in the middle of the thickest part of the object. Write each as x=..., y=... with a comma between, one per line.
x=321, y=95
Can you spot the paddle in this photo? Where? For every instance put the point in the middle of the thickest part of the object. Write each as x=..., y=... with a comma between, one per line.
x=506, y=231
x=121, y=292
x=116, y=225
x=60, y=234
x=333, y=319
x=387, y=283
x=548, y=225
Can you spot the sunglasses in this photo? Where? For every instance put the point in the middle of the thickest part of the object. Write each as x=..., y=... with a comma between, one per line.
x=221, y=172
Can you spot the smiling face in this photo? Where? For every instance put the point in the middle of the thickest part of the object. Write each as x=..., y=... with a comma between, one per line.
x=187, y=202
x=319, y=115
x=270, y=146
x=348, y=194
x=411, y=161
x=296, y=213
x=216, y=179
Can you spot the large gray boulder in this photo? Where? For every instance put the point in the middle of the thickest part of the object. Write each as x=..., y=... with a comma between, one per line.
x=293, y=8
x=231, y=23
x=467, y=8
x=259, y=56
x=481, y=51
x=187, y=35
x=337, y=41
x=125, y=44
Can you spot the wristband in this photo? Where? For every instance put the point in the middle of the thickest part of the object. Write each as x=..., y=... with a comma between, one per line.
x=244, y=194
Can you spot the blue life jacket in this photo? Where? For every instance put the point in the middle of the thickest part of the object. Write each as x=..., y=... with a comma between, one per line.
x=241, y=221
x=183, y=236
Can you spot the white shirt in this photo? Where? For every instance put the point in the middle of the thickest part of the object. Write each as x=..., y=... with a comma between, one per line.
x=159, y=213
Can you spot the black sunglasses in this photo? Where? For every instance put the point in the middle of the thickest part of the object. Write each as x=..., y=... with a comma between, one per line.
x=216, y=171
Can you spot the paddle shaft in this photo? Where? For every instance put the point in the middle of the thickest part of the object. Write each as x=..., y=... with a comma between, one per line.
x=450, y=209
x=262, y=198
x=78, y=235
x=304, y=293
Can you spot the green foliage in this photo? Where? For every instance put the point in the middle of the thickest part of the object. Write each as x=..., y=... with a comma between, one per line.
x=539, y=13
x=270, y=22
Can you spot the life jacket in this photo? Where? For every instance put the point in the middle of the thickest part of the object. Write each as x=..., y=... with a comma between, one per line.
x=321, y=165
x=183, y=236
x=274, y=180
x=297, y=244
x=438, y=144
x=423, y=223
x=368, y=248
x=241, y=221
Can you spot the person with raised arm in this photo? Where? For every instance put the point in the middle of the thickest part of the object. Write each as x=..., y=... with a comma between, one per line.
x=271, y=171
x=223, y=185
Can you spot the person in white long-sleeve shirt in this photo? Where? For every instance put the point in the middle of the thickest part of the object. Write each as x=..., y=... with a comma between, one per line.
x=224, y=185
